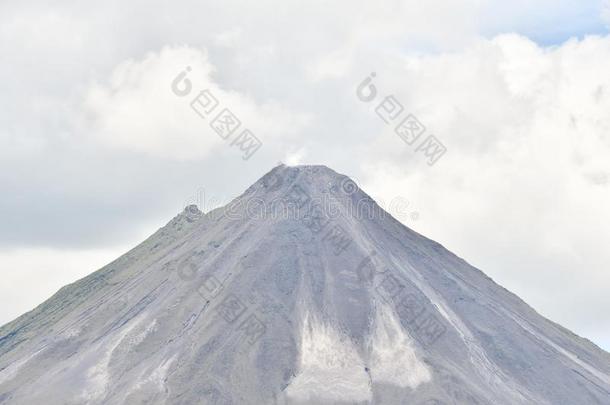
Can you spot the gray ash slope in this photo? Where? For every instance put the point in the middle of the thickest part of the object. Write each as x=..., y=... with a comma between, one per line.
x=301, y=291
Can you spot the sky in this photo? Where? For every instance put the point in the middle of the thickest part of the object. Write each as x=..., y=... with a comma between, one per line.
x=100, y=145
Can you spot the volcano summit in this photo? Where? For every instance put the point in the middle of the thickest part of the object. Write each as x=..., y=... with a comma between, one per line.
x=300, y=291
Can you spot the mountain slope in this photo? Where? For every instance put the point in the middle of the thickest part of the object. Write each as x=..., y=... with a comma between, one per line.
x=300, y=291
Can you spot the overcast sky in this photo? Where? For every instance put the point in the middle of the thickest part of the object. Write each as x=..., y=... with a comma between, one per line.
x=97, y=151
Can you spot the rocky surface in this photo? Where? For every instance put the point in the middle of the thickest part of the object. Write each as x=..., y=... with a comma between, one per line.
x=300, y=291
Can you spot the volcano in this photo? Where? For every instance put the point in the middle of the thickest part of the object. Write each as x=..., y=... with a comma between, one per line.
x=300, y=291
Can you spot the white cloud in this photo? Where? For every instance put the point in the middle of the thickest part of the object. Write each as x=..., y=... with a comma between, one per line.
x=521, y=191
x=525, y=127
x=606, y=12
x=228, y=38
x=138, y=110
x=295, y=158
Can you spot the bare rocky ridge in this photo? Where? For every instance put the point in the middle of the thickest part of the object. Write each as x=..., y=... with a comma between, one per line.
x=300, y=291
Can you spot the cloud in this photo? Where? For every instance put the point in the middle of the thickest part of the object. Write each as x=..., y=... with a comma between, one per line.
x=521, y=191
x=295, y=158
x=606, y=12
x=95, y=147
x=148, y=107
